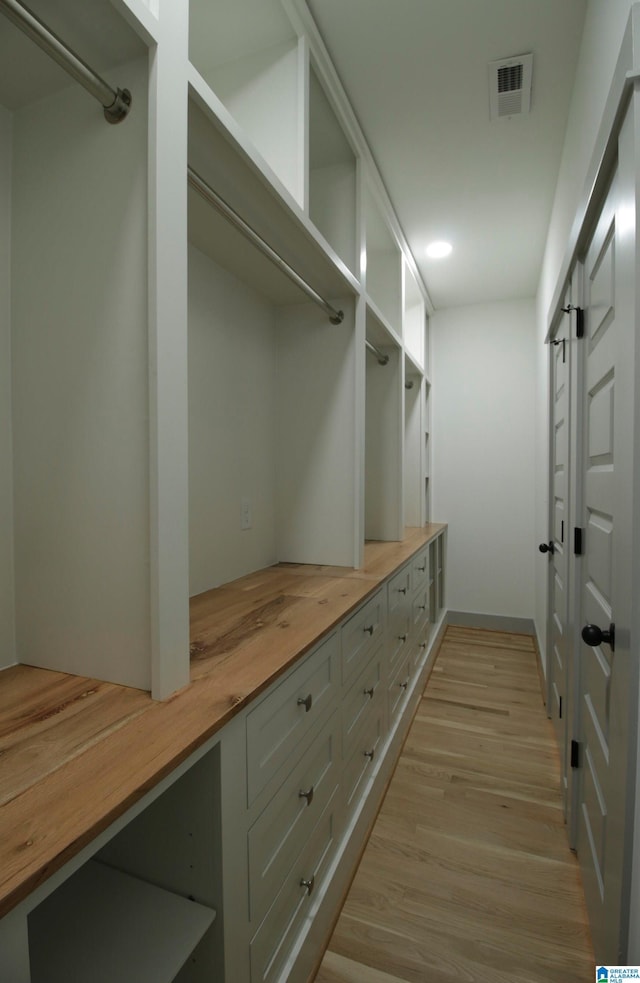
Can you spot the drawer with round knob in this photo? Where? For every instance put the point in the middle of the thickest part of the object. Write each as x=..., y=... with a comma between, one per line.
x=399, y=687
x=282, y=719
x=360, y=703
x=271, y=945
x=361, y=634
x=364, y=757
x=280, y=832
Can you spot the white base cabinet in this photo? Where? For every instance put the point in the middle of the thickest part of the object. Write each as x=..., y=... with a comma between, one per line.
x=233, y=868
x=297, y=841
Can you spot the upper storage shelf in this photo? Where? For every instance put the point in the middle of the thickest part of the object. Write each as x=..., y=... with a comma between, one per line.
x=250, y=58
x=414, y=318
x=332, y=176
x=384, y=271
x=219, y=157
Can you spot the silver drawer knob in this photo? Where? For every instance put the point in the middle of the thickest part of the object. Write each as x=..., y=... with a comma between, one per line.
x=308, y=884
x=305, y=701
x=370, y=754
x=370, y=629
x=403, y=685
x=368, y=692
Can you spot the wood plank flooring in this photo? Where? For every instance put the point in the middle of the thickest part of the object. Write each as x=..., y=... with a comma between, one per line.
x=468, y=875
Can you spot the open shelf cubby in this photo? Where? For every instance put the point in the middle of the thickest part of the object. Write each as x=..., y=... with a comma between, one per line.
x=271, y=402
x=250, y=59
x=413, y=320
x=384, y=270
x=75, y=435
x=383, y=435
x=332, y=176
x=144, y=907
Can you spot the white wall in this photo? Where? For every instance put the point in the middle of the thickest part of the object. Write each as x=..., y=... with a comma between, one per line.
x=483, y=459
x=605, y=24
x=232, y=426
x=80, y=386
x=7, y=628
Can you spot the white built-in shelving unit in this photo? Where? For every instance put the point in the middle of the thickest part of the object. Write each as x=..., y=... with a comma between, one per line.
x=182, y=412
x=175, y=410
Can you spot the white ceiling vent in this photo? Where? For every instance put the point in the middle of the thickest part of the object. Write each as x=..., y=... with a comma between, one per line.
x=510, y=86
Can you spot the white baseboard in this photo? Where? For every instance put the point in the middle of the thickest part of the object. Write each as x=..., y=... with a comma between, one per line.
x=492, y=622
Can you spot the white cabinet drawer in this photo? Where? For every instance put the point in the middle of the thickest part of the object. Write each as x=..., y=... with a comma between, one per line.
x=359, y=702
x=360, y=764
x=399, y=687
x=273, y=940
x=420, y=608
x=361, y=634
x=399, y=632
x=279, y=722
x=399, y=589
x=420, y=569
x=277, y=837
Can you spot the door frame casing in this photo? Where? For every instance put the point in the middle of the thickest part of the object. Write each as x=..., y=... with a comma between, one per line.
x=562, y=325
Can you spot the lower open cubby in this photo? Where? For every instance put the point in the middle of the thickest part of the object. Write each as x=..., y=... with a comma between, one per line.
x=142, y=908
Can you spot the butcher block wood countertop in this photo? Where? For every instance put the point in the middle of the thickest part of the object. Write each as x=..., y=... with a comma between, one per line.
x=76, y=753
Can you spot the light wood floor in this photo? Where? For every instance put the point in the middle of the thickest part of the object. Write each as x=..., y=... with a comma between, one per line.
x=468, y=875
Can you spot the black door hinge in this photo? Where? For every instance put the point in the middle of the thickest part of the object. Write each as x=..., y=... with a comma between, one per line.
x=560, y=708
x=575, y=754
x=577, y=541
x=579, y=318
x=562, y=531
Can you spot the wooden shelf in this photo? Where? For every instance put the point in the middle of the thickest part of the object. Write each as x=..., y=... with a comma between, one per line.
x=103, y=925
x=248, y=55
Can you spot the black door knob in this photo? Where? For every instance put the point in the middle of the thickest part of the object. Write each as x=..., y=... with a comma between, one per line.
x=547, y=547
x=593, y=636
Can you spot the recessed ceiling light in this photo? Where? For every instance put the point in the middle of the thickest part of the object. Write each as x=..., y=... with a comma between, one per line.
x=438, y=250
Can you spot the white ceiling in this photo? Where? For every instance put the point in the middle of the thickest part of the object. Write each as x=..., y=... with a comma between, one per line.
x=416, y=75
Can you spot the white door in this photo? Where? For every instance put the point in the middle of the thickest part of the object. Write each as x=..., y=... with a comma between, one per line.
x=558, y=547
x=604, y=694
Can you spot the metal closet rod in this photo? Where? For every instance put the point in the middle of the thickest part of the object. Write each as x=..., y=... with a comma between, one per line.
x=213, y=198
x=115, y=102
x=382, y=358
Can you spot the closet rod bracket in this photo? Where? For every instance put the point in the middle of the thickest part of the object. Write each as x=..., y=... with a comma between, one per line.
x=119, y=108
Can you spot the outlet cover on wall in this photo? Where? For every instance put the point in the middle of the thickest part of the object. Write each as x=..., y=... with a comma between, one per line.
x=245, y=513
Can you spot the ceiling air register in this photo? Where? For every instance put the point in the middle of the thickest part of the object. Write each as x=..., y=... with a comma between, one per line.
x=510, y=86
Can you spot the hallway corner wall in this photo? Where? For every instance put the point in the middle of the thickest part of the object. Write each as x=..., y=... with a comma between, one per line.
x=483, y=461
